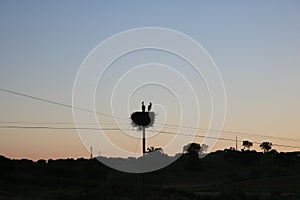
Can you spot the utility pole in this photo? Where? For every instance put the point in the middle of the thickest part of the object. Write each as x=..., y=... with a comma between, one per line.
x=236, y=145
x=144, y=141
x=144, y=120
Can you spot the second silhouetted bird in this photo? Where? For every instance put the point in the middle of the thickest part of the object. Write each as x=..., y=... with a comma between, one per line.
x=149, y=107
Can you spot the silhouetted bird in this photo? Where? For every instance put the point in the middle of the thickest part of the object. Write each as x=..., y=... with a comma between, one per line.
x=143, y=107
x=149, y=107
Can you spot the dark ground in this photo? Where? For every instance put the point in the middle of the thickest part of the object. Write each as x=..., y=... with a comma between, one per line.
x=220, y=175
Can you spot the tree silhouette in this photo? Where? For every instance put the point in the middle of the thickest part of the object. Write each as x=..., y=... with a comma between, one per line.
x=266, y=146
x=273, y=151
x=192, y=148
x=193, y=152
x=247, y=144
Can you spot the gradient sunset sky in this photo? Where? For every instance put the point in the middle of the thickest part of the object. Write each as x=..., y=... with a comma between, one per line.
x=255, y=44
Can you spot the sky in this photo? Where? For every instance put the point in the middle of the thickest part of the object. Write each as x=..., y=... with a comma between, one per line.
x=254, y=44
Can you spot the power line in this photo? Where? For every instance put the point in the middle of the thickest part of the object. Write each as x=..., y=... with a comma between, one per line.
x=109, y=115
x=222, y=138
x=57, y=123
x=60, y=128
x=118, y=129
x=232, y=132
x=58, y=103
x=188, y=127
